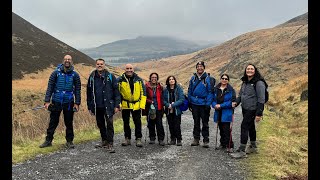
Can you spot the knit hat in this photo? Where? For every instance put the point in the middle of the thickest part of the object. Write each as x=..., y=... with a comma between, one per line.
x=202, y=63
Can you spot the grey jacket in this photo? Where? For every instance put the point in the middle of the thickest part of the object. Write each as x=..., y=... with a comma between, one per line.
x=252, y=98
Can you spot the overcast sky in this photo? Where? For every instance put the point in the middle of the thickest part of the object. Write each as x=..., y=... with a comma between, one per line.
x=91, y=23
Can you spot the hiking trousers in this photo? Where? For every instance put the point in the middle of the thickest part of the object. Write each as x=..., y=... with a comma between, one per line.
x=54, y=121
x=136, y=116
x=200, y=114
x=174, y=122
x=156, y=124
x=106, y=133
x=248, y=126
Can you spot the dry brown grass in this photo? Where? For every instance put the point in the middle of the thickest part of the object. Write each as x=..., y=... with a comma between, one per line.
x=29, y=92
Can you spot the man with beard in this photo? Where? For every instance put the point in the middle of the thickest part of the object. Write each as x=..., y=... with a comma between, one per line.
x=64, y=91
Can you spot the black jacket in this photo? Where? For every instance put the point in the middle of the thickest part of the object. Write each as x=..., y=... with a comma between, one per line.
x=110, y=92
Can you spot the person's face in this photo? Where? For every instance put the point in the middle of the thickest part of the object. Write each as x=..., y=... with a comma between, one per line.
x=129, y=70
x=200, y=69
x=154, y=79
x=224, y=80
x=67, y=61
x=250, y=71
x=100, y=65
x=172, y=81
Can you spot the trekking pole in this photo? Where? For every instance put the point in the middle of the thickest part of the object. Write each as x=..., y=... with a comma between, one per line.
x=230, y=134
x=216, y=136
x=35, y=108
x=167, y=129
x=145, y=138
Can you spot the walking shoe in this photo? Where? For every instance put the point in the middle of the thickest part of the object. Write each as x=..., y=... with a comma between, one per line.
x=102, y=144
x=110, y=148
x=126, y=142
x=251, y=149
x=179, y=143
x=161, y=143
x=205, y=144
x=172, y=142
x=138, y=142
x=152, y=142
x=238, y=154
x=195, y=142
x=69, y=145
x=45, y=144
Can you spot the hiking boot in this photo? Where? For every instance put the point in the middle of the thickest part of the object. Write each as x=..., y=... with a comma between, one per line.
x=172, y=142
x=161, y=143
x=220, y=147
x=179, y=143
x=138, y=142
x=152, y=142
x=195, y=142
x=229, y=150
x=45, y=144
x=110, y=148
x=69, y=145
x=126, y=142
x=251, y=149
x=205, y=144
x=238, y=154
x=102, y=144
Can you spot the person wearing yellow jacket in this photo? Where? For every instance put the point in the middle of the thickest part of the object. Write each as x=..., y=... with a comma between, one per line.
x=133, y=99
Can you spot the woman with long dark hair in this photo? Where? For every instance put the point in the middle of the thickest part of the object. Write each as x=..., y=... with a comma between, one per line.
x=252, y=99
x=173, y=97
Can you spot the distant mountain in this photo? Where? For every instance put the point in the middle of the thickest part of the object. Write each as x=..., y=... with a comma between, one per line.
x=34, y=49
x=144, y=47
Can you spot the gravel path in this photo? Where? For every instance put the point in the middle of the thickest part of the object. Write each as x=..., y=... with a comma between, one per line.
x=131, y=162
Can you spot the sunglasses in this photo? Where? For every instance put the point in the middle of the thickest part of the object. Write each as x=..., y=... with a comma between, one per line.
x=224, y=78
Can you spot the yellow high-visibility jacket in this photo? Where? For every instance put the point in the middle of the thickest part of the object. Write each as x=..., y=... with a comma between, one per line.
x=135, y=100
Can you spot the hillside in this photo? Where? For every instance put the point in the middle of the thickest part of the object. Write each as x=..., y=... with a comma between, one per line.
x=143, y=48
x=280, y=53
x=34, y=49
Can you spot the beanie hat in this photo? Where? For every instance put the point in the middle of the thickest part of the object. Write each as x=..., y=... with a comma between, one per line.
x=202, y=63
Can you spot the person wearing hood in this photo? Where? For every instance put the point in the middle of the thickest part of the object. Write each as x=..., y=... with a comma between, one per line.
x=103, y=101
x=64, y=92
x=133, y=100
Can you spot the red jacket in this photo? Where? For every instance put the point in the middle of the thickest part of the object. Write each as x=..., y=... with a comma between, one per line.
x=149, y=92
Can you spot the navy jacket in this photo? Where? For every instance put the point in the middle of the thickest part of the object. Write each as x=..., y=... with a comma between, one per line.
x=110, y=95
x=63, y=87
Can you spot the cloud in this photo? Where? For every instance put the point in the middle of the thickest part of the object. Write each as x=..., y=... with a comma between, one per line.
x=85, y=23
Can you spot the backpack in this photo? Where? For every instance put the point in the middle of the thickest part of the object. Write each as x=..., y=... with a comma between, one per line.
x=204, y=81
x=185, y=105
x=266, y=92
x=152, y=112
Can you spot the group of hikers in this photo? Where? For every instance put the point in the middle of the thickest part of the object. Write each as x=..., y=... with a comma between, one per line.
x=107, y=95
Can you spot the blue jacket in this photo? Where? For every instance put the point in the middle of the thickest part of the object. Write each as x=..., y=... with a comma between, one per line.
x=200, y=93
x=110, y=92
x=63, y=87
x=226, y=107
x=179, y=98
